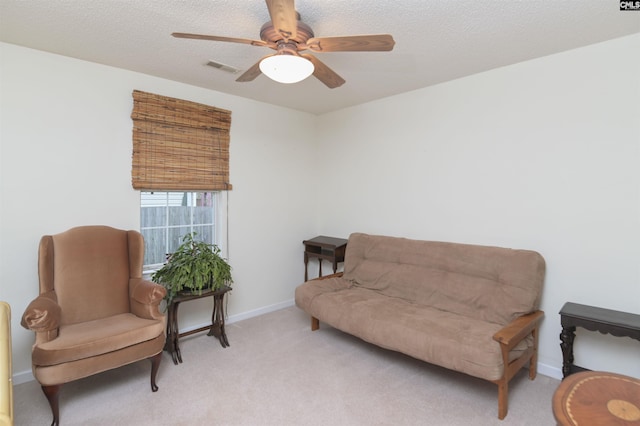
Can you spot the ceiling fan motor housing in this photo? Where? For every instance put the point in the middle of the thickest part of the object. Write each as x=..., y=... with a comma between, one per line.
x=269, y=34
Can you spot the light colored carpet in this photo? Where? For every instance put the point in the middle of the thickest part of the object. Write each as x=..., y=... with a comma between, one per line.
x=278, y=372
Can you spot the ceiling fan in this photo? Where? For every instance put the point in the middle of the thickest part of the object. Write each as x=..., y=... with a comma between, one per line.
x=289, y=36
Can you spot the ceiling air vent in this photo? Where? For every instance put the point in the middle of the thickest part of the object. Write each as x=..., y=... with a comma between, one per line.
x=223, y=67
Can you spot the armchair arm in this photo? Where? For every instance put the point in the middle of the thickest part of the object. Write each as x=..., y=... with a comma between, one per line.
x=511, y=334
x=145, y=297
x=42, y=314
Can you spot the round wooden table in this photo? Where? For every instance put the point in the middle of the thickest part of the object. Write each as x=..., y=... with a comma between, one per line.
x=593, y=398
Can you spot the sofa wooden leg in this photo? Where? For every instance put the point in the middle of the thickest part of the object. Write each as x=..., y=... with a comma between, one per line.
x=52, y=393
x=503, y=398
x=533, y=368
x=533, y=362
x=315, y=324
x=155, y=364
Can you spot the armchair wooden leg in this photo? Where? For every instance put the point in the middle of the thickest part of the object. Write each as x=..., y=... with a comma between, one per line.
x=155, y=364
x=315, y=324
x=52, y=393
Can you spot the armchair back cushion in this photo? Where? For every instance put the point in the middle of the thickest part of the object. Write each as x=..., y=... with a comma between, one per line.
x=89, y=264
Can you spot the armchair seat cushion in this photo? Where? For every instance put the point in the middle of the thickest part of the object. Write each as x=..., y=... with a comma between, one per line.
x=96, y=337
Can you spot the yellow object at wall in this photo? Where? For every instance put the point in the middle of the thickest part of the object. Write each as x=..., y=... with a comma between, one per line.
x=6, y=382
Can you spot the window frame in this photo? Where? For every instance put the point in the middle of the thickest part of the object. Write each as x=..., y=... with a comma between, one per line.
x=219, y=225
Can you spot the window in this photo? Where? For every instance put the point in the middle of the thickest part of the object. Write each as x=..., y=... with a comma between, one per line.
x=166, y=217
x=180, y=163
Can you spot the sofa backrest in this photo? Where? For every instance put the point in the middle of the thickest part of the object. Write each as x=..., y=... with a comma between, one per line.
x=487, y=283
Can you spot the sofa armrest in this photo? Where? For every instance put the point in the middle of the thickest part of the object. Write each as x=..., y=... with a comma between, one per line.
x=511, y=334
x=145, y=297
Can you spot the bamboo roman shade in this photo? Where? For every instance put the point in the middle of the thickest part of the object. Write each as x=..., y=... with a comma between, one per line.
x=179, y=145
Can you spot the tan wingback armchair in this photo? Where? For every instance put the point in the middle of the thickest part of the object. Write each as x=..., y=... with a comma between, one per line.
x=94, y=312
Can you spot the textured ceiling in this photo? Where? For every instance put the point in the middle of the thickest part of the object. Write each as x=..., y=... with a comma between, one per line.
x=436, y=40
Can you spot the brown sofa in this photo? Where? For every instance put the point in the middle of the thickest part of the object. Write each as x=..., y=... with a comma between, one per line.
x=468, y=308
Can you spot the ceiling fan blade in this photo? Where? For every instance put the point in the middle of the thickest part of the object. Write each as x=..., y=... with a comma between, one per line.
x=324, y=73
x=218, y=38
x=358, y=43
x=284, y=17
x=251, y=73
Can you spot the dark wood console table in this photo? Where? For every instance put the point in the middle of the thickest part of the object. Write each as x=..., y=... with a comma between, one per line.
x=215, y=329
x=324, y=248
x=605, y=321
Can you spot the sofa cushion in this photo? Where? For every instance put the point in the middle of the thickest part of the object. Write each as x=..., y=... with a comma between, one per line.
x=443, y=338
x=491, y=284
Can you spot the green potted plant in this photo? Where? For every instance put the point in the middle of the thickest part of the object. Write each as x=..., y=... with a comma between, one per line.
x=193, y=267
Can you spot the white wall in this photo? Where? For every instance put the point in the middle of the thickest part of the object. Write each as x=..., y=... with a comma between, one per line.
x=65, y=156
x=542, y=155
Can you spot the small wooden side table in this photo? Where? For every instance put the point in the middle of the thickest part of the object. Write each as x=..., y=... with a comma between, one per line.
x=324, y=248
x=215, y=329
x=597, y=398
x=592, y=318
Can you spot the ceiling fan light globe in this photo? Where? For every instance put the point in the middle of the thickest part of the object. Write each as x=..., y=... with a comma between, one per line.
x=286, y=68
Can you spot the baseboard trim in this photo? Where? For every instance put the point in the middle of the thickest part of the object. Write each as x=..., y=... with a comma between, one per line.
x=22, y=377
x=245, y=315
x=261, y=311
x=549, y=371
